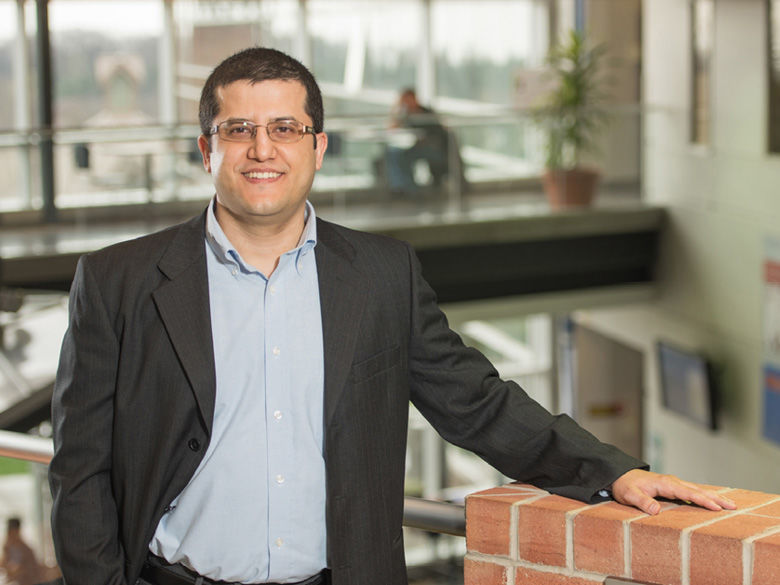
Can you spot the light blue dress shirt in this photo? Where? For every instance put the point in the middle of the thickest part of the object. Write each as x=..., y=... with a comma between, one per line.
x=255, y=509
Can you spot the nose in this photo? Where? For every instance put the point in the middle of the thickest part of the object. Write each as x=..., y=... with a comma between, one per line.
x=262, y=147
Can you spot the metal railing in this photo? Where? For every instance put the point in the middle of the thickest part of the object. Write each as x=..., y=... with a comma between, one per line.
x=25, y=447
x=428, y=515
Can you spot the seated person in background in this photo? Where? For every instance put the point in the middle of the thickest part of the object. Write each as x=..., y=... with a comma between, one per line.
x=431, y=144
x=18, y=561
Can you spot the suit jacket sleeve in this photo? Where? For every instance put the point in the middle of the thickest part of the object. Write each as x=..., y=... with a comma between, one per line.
x=460, y=393
x=84, y=514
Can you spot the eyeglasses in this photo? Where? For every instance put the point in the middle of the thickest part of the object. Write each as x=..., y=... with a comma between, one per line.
x=284, y=131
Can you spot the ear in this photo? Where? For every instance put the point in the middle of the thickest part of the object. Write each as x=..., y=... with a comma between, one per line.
x=322, y=146
x=204, y=145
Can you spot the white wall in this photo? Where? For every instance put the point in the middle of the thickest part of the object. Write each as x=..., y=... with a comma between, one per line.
x=723, y=202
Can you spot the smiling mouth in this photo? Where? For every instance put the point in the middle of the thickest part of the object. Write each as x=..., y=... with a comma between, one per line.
x=262, y=175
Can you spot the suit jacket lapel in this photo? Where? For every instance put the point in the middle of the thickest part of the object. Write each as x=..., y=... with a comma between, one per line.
x=183, y=303
x=342, y=298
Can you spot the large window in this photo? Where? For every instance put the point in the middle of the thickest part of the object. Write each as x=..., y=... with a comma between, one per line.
x=127, y=76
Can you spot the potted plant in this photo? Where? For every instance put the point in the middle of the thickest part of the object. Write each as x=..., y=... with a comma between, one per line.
x=572, y=118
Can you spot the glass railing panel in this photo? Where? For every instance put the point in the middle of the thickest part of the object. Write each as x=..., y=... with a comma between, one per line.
x=20, y=179
x=488, y=154
x=121, y=166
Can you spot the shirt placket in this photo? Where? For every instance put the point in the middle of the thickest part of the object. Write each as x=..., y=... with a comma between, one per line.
x=278, y=418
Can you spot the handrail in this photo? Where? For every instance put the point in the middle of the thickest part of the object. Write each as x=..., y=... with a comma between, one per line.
x=430, y=515
x=435, y=516
x=26, y=447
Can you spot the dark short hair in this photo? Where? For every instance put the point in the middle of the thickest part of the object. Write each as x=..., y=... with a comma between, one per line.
x=258, y=64
x=14, y=523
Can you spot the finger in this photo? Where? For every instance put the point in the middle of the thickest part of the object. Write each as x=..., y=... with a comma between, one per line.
x=711, y=500
x=674, y=488
x=639, y=499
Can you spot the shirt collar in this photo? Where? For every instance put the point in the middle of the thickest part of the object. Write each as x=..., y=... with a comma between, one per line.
x=226, y=253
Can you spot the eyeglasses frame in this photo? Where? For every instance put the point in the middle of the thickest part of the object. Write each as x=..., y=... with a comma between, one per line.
x=253, y=126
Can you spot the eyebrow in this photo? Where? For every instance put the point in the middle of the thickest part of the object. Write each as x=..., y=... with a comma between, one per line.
x=278, y=119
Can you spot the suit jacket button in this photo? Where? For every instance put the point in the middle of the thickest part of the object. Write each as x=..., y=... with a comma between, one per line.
x=194, y=444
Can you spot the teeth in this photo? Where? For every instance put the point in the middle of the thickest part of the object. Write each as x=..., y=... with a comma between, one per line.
x=264, y=175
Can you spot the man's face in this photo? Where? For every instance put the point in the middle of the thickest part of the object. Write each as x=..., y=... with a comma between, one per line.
x=409, y=102
x=262, y=182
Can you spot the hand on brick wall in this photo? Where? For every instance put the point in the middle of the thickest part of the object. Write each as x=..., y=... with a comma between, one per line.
x=638, y=488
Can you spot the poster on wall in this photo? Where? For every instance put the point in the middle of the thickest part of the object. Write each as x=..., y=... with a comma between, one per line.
x=771, y=368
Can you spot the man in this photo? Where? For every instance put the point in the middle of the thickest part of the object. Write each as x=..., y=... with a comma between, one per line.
x=232, y=396
x=432, y=145
x=18, y=560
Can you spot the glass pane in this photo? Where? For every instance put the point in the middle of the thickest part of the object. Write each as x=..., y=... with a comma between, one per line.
x=114, y=168
x=105, y=58
x=358, y=46
x=209, y=31
x=31, y=330
x=20, y=179
x=106, y=69
x=8, y=31
x=480, y=47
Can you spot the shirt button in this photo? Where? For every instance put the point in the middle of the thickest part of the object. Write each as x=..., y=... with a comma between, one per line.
x=280, y=479
x=234, y=271
x=277, y=351
x=279, y=542
x=272, y=288
x=278, y=414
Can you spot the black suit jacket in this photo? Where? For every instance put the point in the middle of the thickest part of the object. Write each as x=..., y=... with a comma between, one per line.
x=134, y=402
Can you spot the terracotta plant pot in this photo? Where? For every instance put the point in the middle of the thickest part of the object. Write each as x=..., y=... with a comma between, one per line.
x=570, y=187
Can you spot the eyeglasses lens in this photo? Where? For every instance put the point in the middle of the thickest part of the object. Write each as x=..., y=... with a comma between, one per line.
x=243, y=131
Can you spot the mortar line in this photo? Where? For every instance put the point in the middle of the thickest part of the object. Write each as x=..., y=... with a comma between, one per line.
x=569, y=518
x=749, y=553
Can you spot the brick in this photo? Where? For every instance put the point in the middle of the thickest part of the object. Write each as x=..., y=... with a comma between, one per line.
x=655, y=543
x=598, y=538
x=528, y=488
x=477, y=572
x=541, y=527
x=488, y=519
x=771, y=510
x=716, y=549
x=766, y=561
x=748, y=499
x=527, y=576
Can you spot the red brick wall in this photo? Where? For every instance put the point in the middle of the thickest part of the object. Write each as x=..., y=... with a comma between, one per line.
x=520, y=535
